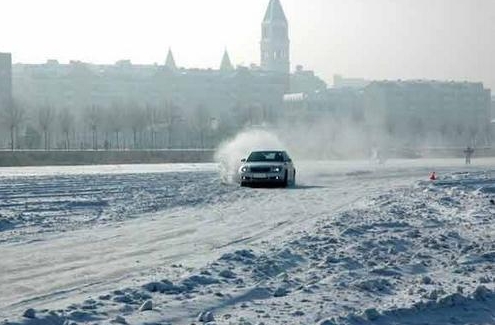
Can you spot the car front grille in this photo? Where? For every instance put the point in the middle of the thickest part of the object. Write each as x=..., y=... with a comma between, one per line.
x=260, y=169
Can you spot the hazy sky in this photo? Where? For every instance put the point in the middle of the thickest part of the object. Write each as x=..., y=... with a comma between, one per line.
x=378, y=39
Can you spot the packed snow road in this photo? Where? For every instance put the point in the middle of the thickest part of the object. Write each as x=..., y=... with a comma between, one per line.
x=68, y=234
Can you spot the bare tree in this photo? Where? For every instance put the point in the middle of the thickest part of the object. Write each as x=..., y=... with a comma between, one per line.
x=32, y=137
x=152, y=121
x=115, y=122
x=169, y=118
x=158, y=119
x=12, y=115
x=201, y=123
x=45, y=119
x=136, y=120
x=66, y=124
x=93, y=119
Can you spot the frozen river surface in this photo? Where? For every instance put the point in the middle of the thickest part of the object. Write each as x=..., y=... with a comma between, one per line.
x=353, y=239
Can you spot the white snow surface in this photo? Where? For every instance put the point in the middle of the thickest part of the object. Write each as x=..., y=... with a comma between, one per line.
x=353, y=243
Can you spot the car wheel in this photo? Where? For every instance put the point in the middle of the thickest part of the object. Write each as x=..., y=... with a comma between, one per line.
x=294, y=178
x=243, y=184
x=286, y=179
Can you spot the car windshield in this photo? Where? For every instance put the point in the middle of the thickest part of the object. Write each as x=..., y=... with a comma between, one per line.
x=266, y=156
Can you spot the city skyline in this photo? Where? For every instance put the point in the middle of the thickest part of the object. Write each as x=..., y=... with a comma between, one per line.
x=384, y=40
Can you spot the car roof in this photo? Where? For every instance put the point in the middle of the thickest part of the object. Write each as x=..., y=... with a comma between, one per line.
x=264, y=151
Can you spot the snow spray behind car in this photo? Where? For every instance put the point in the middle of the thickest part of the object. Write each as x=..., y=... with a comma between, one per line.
x=231, y=152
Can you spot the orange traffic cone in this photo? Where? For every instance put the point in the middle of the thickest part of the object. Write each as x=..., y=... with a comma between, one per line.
x=433, y=176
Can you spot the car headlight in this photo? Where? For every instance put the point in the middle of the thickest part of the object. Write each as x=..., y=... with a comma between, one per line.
x=277, y=169
x=244, y=169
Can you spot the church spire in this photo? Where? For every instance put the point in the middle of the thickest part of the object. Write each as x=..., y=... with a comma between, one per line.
x=170, y=63
x=275, y=12
x=275, y=44
x=226, y=64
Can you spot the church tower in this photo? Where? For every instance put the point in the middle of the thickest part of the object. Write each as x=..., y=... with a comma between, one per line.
x=226, y=65
x=275, y=44
x=170, y=62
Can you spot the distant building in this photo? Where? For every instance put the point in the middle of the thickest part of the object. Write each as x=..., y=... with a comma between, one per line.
x=427, y=113
x=416, y=113
x=226, y=65
x=256, y=93
x=170, y=61
x=493, y=108
x=275, y=44
x=493, y=118
x=5, y=79
x=355, y=83
x=79, y=85
x=331, y=104
x=305, y=81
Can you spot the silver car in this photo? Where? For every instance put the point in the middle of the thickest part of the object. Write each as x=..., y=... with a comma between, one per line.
x=267, y=168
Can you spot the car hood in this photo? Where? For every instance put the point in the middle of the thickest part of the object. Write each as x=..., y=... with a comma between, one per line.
x=263, y=164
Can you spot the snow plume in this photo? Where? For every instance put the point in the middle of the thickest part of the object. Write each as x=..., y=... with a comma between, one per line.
x=324, y=139
x=230, y=153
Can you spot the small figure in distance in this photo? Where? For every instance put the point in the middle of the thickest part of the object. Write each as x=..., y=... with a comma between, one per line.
x=433, y=176
x=469, y=153
x=377, y=156
x=381, y=158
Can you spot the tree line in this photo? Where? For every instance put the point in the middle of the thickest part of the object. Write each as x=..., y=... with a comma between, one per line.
x=121, y=126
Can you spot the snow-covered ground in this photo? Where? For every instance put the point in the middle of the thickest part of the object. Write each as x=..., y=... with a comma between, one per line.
x=353, y=243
